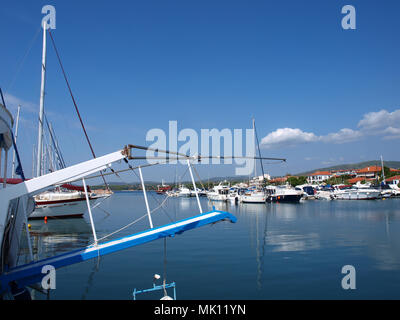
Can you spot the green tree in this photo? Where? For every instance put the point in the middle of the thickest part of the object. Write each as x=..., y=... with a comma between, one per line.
x=295, y=181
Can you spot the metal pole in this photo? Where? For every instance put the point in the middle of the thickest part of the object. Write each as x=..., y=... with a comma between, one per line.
x=41, y=106
x=90, y=211
x=194, y=186
x=145, y=198
x=15, y=142
x=27, y=232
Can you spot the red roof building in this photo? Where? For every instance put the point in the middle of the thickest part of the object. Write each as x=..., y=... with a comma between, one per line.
x=319, y=176
x=369, y=172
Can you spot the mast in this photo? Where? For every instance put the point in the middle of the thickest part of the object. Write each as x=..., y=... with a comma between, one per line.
x=254, y=137
x=383, y=171
x=15, y=138
x=41, y=106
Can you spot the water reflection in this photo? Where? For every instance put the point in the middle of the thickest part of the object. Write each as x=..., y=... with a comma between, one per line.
x=293, y=242
x=58, y=235
x=316, y=236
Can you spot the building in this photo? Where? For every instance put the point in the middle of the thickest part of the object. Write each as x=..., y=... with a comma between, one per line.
x=338, y=173
x=319, y=177
x=393, y=180
x=279, y=180
x=359, y=179
x=371, y=172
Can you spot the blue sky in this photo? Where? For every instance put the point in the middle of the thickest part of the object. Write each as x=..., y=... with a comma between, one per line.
x=320, y=95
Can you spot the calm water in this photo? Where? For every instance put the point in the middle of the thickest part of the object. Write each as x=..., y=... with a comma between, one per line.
x=274, y=251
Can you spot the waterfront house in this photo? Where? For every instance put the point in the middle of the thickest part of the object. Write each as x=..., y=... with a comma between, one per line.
x=393, y=180
x=319, y=177
x=370, y=172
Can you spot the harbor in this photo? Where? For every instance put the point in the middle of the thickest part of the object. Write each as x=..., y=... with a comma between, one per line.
x=273, y=251
x=199, y=151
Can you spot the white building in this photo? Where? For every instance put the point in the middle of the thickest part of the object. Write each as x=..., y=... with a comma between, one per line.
x=318, y=177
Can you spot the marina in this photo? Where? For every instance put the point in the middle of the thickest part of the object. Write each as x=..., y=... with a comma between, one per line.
x=103, y=196
x=273, y=251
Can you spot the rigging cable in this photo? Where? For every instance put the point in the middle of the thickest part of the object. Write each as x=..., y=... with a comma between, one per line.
x=76, y=107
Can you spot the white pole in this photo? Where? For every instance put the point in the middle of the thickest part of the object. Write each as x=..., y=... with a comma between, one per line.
x=254, y=137
x=145, y=198
x=15, y=143
x=194, y=186
x=33, y=161
x=41, y=106
x=28, y=235
x=90, y=211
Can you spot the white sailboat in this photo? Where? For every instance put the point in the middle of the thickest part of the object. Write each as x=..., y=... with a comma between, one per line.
x=64, y=201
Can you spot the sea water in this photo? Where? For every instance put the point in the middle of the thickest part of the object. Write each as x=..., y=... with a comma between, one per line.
x=273, y=251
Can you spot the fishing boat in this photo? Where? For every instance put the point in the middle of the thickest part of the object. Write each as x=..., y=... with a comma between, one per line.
x=163, y=188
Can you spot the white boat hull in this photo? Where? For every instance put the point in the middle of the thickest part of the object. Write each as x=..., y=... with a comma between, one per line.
x=254, y=198
x=61, y=209
x=217, y=197
x=358, y=195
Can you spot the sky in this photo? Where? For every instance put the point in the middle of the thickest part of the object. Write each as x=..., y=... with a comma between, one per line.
x=320, y=95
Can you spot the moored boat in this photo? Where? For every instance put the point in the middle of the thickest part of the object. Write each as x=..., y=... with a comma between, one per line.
x=283, y=194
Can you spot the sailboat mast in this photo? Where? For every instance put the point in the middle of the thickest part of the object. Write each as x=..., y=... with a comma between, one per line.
x=254, y=137
x=41, y=107
x=383, y=170
x=15, y=140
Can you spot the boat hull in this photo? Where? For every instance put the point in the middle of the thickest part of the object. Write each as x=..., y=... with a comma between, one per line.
x=253, y=199
x=286, y=198
x=217, y=197
x=357, y=195
x=71, y=208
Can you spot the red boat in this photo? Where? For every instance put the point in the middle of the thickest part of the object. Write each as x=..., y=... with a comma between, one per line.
x=163, y=188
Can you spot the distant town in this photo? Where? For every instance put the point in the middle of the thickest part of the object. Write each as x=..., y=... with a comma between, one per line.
x=336, y=175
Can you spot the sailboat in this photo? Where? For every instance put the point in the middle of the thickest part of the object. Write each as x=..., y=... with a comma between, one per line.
x=255, y=193
x=16, y=204
x=66, y=200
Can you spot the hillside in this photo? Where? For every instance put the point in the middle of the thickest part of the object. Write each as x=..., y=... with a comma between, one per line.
x=359, y=165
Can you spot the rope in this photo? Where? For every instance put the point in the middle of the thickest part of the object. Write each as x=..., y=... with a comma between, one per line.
x=23, y=59
x=198, y=176
x=140, y=218
x=74, y=102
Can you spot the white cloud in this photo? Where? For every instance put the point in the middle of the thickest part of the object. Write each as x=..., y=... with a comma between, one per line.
x=287, y=137
x=381, y=123
x=380, y=120
x=13, y=102
x=342, y=136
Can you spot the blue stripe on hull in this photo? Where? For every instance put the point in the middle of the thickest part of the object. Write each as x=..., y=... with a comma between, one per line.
x=31, y=273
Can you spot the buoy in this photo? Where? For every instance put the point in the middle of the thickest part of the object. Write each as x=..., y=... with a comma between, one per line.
x=45, y=219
